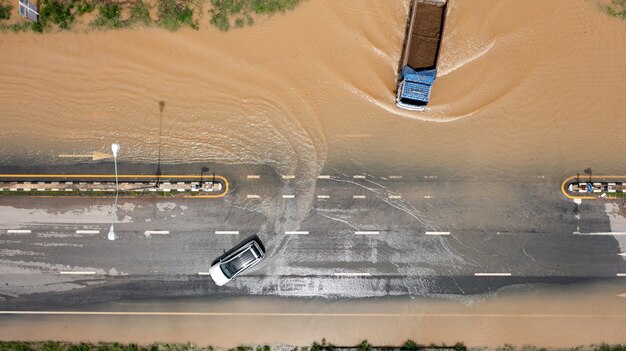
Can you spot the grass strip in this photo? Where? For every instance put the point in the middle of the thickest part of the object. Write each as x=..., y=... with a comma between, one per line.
x=409, y=345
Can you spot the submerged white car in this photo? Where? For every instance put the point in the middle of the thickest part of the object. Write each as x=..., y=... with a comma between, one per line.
x=227, y=268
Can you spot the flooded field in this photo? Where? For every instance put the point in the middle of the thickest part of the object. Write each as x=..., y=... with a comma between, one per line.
x=545, y=316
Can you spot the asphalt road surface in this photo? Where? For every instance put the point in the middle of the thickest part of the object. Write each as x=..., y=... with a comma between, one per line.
x=335, y=235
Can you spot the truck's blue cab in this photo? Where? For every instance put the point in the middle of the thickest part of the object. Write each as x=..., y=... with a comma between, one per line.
x=414, y=89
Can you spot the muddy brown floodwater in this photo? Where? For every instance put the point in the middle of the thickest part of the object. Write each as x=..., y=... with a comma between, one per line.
x=549, y=317
x=529, y=83
x=525, y=87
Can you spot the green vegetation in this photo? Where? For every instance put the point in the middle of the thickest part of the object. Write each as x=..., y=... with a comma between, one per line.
x=459, y=346
x=617, y=8
x=56, y=12
x=228, y=13
x=140, y=13
x=321, y=346
x=108, y=16
x=16, y=27
x=364, y=346
x=84, y=6
x=410, y=345
x=5, y=10
x=606, y=347
x=174, y=14
x=615, y=195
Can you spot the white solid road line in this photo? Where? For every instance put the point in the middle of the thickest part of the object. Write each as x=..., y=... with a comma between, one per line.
x=492, y=274
x=78, y=231
x=251, y=196
x=289, y=176
x=366, y=233
x=352, y=274
x=78, y=272
x=323, y=177
x=437, y=233
x=18, y=231
x=323, y=196
x=289, y=196
x=253, y=176
x=358, y=197
x=227, y=232
x=600, y=233
x=297, y=232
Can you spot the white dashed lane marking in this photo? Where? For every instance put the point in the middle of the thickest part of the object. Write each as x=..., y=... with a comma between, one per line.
x=18, y=231
x=492, y=274
x=297, y=232
x=79, y=231
x=148, y=233
x=226, y=232
x=437, y=233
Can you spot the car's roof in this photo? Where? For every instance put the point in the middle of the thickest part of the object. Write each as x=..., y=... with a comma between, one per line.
x=244, y=257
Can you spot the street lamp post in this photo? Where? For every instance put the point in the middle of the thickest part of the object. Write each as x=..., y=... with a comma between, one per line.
x=115, y=148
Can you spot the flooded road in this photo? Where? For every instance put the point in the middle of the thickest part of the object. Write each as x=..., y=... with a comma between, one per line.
x=544, y=317
x=525, y=89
